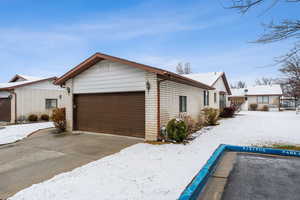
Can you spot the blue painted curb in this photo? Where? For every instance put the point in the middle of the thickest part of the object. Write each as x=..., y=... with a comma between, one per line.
x=193, y=190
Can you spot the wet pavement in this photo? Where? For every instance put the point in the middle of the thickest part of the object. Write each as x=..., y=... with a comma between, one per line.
x=263, y=177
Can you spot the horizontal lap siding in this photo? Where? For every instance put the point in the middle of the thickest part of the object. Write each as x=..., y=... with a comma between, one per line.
x=32, y=99
x=110, y=98
x=106, y=77
x=4, y=94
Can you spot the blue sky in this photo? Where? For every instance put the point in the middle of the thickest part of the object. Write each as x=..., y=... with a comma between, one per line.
x=44, y=38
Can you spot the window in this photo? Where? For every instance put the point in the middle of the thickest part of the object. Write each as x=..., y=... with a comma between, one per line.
x=215, y=97
x=222, y=101
x=206, y=97
x=51, y=103
x=263, y=99
x=182, y=104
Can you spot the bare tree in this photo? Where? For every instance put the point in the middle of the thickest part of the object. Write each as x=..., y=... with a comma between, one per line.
x=285, y=29
x=265, y=81
x=291, y=80
x=187, y=68
x=179, y=68
x=238, y=85
x=183, y=69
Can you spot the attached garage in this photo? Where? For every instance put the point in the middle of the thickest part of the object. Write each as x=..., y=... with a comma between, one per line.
x=5, y=109
x=113, y=113
x=112, y=95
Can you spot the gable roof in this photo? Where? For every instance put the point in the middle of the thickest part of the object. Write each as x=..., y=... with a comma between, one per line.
x=13, y=85
x=99, y=57
x=270, y=90
x=210, y=78
x=24, y=77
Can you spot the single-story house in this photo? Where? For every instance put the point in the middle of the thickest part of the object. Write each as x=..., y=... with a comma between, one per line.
x=25, y=95
x=261, y=95
x=216, y=98
x=288, y=103
x=112, y=95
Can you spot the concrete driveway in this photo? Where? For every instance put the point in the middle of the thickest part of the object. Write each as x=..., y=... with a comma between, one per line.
x=46, y=154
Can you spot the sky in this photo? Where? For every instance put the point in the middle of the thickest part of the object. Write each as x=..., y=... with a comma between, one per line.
x=46, y=38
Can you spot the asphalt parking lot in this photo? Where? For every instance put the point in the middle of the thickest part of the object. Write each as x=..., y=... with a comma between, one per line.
x=249, y=176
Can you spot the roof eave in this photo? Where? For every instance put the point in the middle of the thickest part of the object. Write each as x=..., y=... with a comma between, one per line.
x=25, y=84
x=99, y=56
x=225, y=82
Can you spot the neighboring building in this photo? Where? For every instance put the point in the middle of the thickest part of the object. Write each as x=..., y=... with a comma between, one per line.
x=25, y=95
x=261, y=95
x=217, y=97
x=111, y=95
x=288, y=103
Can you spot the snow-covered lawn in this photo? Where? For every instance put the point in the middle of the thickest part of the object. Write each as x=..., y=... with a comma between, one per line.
x=17, y=132
x=145, y=171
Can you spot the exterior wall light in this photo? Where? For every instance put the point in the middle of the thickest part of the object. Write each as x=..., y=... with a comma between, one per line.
x=148, y=86
x=68, y=90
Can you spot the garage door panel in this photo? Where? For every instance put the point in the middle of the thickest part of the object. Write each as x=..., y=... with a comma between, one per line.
x=5, y=109
x=113, y=113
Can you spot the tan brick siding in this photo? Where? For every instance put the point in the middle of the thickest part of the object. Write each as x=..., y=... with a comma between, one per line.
x=169, y=100
x=273, y=101
x=69, y=106
x=151, y=107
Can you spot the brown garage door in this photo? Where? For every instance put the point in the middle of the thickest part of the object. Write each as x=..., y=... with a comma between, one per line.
x=5, y=109
x=113, y=113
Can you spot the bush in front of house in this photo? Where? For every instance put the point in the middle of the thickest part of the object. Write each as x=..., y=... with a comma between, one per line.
x=253, y=106
x=192, y=125
x=177, y=130
x=45, y=117
x=59, y=118
x=227, y=112
x=265, y=108
x=32, y=118
x=211, y=116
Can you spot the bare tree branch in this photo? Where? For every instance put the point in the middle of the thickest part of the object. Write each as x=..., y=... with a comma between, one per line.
x=286, y=29
x=243, y=6
x=291, y=81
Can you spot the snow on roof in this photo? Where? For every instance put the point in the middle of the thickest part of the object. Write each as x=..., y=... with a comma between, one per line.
x=31, y=78
x=21, y=77
x=20, y=83
x=208, y=78
x=258, y=90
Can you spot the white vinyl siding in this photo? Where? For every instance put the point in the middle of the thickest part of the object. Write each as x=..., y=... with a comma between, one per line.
x=106, y=76
x=4, y=94
x=32, y=101
x=44, y=85
x=220, y=85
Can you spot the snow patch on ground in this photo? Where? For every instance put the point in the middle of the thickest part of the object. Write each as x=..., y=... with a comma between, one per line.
x=14, y=133
x=145, y=171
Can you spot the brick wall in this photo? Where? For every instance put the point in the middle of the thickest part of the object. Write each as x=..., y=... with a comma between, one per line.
x=69, y=105
x=151, y=107
x=169, y=100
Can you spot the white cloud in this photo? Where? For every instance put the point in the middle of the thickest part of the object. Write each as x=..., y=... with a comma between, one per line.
x=246, y=63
